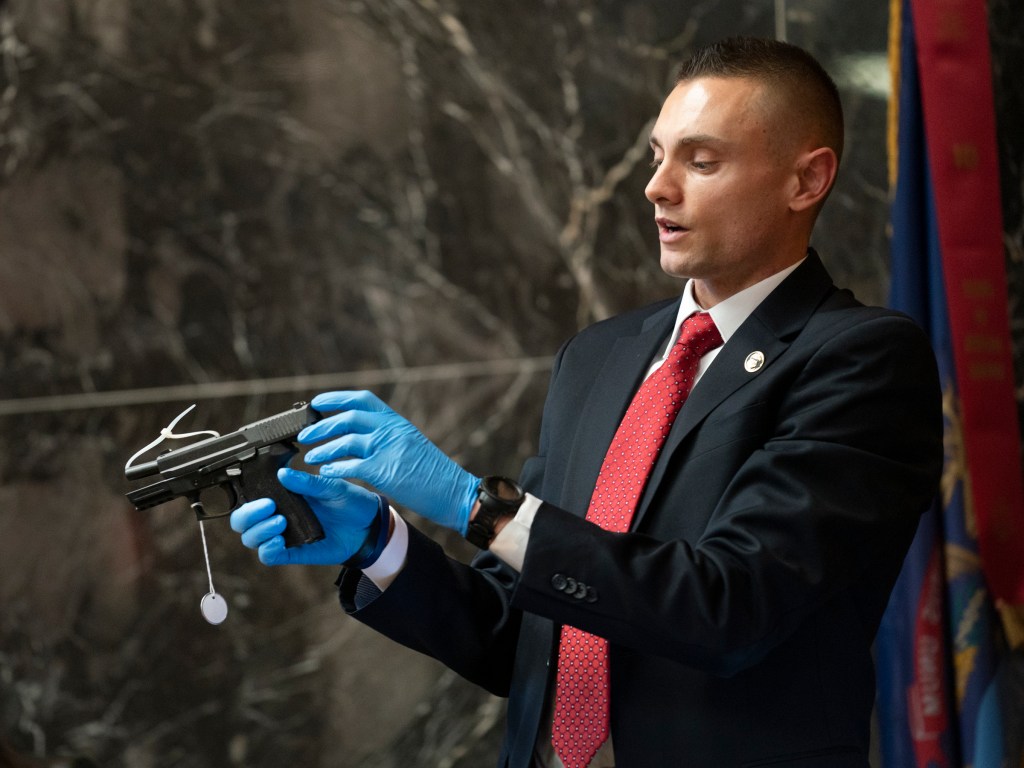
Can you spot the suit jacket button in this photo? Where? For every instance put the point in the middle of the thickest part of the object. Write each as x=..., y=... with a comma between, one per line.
x=559, y=582
x=591, y=595
x=581, y=590
x=570, y=585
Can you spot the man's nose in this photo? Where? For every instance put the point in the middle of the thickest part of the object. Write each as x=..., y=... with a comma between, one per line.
x=662, y=188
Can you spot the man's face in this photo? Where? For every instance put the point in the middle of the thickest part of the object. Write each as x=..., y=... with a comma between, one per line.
x=720, y=187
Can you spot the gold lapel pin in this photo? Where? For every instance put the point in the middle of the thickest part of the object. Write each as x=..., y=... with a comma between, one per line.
x=753, y=362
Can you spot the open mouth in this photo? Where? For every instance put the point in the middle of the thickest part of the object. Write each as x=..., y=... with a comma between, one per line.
x=669, y=226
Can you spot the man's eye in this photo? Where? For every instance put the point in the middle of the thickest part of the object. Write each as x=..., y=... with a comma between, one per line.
x=702, y=165
x=655, y=163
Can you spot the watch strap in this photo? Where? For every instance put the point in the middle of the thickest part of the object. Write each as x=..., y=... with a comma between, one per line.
x=499, y=497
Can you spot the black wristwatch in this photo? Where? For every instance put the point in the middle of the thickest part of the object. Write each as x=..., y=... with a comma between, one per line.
x=499, y=497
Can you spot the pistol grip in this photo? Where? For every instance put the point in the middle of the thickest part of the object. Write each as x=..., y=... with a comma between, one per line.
x=259, y=480
x=303, y=526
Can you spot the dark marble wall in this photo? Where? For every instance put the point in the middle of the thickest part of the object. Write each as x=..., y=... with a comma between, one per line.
x=239, y=204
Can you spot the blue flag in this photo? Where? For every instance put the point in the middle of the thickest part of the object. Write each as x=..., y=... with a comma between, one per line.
x=945, y=675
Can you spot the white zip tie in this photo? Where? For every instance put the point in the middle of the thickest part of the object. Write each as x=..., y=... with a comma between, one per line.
x=167, y=433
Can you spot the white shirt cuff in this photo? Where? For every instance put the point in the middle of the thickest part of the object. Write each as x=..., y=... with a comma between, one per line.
x=392, y=560
x=510, y=543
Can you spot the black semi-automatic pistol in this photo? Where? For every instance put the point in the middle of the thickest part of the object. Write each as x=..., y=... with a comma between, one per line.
x=243, y=463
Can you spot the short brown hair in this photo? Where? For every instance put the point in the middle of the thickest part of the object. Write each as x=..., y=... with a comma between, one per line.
x=792, y=73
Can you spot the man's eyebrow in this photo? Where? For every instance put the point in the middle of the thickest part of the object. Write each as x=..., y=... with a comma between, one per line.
x=689, y=141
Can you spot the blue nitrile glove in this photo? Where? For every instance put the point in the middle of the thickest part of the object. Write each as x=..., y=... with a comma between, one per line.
x=345, y=512
x=374, y=444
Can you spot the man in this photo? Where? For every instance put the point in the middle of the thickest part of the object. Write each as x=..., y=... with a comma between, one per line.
x=694, y=575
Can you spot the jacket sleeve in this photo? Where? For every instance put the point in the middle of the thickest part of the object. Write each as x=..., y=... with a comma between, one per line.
x=456, y=613
x=828, y=501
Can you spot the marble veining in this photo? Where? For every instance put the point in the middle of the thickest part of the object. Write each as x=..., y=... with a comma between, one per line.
x=206, y=201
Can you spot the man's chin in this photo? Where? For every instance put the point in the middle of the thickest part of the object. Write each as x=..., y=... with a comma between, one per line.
x=675, y=264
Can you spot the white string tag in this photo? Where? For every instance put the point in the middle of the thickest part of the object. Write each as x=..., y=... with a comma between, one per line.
x=213, y=607
x=167, y=433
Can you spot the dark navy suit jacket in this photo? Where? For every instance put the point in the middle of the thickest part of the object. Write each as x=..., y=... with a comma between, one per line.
x=742, y=606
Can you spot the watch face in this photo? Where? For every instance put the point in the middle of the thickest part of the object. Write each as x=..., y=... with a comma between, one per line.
x=502, y=488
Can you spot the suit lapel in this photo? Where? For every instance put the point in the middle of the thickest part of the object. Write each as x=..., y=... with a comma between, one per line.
x=770, y=329
x=614, y=386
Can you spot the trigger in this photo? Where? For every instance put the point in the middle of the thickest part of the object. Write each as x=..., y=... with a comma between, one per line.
x=232, y=488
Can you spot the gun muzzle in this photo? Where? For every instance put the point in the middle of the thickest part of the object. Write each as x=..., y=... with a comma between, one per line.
x=139, y=471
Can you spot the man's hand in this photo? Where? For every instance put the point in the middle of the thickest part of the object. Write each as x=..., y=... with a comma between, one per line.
x=345, y=511
x=374, y=444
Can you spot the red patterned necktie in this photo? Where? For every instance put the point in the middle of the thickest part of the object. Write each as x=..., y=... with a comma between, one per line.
x=581, y=720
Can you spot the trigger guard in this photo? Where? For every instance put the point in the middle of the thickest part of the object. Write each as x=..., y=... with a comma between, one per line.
x=232, y=501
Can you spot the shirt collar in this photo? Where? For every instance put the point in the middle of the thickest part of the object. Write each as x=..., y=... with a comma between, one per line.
x=732, y=312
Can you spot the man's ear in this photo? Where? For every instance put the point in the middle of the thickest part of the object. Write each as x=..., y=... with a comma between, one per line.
x=816, y=173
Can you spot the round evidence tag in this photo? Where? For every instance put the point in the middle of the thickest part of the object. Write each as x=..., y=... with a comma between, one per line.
x=213, y=607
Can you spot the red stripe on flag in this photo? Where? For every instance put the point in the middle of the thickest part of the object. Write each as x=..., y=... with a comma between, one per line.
x=959, y=116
